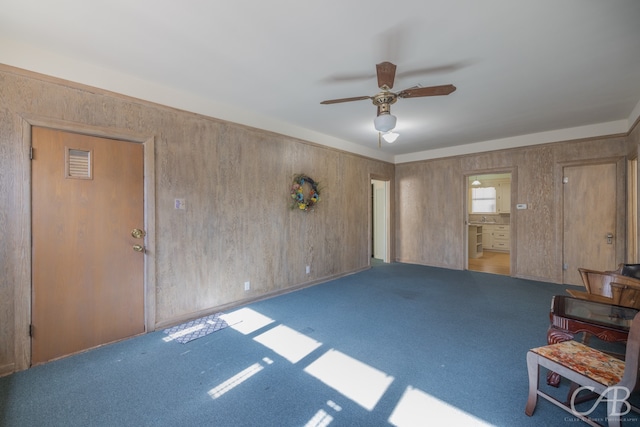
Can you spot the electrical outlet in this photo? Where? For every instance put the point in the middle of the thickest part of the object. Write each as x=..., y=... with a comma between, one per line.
x=247, y=286
x=180, y=204
x=308, y=269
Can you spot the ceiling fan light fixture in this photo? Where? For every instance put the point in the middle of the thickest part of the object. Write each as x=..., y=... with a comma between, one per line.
x=476, y=182
x=384, y=122
x=390, y=137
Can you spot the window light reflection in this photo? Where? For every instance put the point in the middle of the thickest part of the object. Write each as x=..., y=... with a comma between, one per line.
x=237, y=379
x=184, y=332
x=322, y=418
x=246, y=320
x=356, y=380
x=288, y=343
x=417, y=408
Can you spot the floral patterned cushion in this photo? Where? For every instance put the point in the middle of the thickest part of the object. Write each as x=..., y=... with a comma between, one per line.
x=585, y=360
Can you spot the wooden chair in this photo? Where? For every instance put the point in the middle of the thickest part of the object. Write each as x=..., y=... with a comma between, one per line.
x=625, y=291
x=631, y=270
x=609, y=287
x=585, y=366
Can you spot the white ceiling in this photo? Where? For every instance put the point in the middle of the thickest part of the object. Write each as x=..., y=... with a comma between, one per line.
x=526, y=71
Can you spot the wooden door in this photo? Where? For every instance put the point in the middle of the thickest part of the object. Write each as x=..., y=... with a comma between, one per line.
x=88, y=282
x=589, y=196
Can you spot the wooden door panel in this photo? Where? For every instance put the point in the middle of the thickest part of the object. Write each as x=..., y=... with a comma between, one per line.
x=589, y=214
x=87, y=280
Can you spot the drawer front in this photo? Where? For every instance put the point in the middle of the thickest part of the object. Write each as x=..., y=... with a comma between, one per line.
x=495, y=227
x=501, y=245
x=501, y=235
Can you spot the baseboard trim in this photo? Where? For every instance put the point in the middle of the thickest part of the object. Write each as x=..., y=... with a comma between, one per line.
x=224, y=307
x=417, y=262
x=7, y=369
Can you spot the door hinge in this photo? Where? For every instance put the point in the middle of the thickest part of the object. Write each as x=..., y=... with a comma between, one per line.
x=31, y=330
x=30, y=153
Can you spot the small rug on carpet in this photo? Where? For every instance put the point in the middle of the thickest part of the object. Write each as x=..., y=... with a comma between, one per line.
x=197, y=328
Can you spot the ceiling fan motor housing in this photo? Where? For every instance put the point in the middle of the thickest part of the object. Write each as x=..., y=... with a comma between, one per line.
x=383, y=101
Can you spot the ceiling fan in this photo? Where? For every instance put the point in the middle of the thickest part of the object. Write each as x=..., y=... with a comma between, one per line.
x=386, y=71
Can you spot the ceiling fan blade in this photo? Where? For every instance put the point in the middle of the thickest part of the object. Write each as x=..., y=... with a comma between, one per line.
x=426, y=91
x=386, y=75
x=345, y=78
x=336, y=101
x=438, y=69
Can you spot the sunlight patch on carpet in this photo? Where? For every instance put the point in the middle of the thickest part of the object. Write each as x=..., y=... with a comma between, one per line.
x=246, y=320
x=322, y=418
x=288, y=343
x=419, y=408
x=238, y=379
x=195, y=329
x=356, y=380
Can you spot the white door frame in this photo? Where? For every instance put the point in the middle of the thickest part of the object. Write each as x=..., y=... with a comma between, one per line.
x=383, y=226
x=512, y=216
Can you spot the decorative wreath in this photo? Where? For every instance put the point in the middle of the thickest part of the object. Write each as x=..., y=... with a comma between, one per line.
x=300, y=182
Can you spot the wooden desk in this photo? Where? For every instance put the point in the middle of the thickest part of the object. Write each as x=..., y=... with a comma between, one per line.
x=570, y=316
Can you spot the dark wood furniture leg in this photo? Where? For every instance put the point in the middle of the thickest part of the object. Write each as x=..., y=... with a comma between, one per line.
x=554, y=336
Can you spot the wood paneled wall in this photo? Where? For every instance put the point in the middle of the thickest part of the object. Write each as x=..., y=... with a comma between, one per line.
x=237, y=226
x=430, y=196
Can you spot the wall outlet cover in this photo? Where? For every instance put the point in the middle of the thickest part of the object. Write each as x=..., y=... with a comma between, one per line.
x=180, y=204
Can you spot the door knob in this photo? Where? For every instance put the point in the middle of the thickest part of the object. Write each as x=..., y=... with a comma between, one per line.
x=138, y=248
x=137, y=233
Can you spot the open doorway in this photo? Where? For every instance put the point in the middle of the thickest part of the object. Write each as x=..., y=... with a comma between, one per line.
x=489, y=223
x=380, y=226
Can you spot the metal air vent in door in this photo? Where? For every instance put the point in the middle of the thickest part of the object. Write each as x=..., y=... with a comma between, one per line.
x=77, y=163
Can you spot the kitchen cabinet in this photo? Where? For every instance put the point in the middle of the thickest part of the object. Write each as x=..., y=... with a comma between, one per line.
x=503, y=197
x=497, y=237
x=475, y=241
x=487, y=237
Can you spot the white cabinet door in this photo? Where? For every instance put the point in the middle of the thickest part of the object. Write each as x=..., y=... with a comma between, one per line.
x=487, y=238
x=504, y=197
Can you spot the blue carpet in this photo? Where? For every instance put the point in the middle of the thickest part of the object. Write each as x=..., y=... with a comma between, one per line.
x=397, y=345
